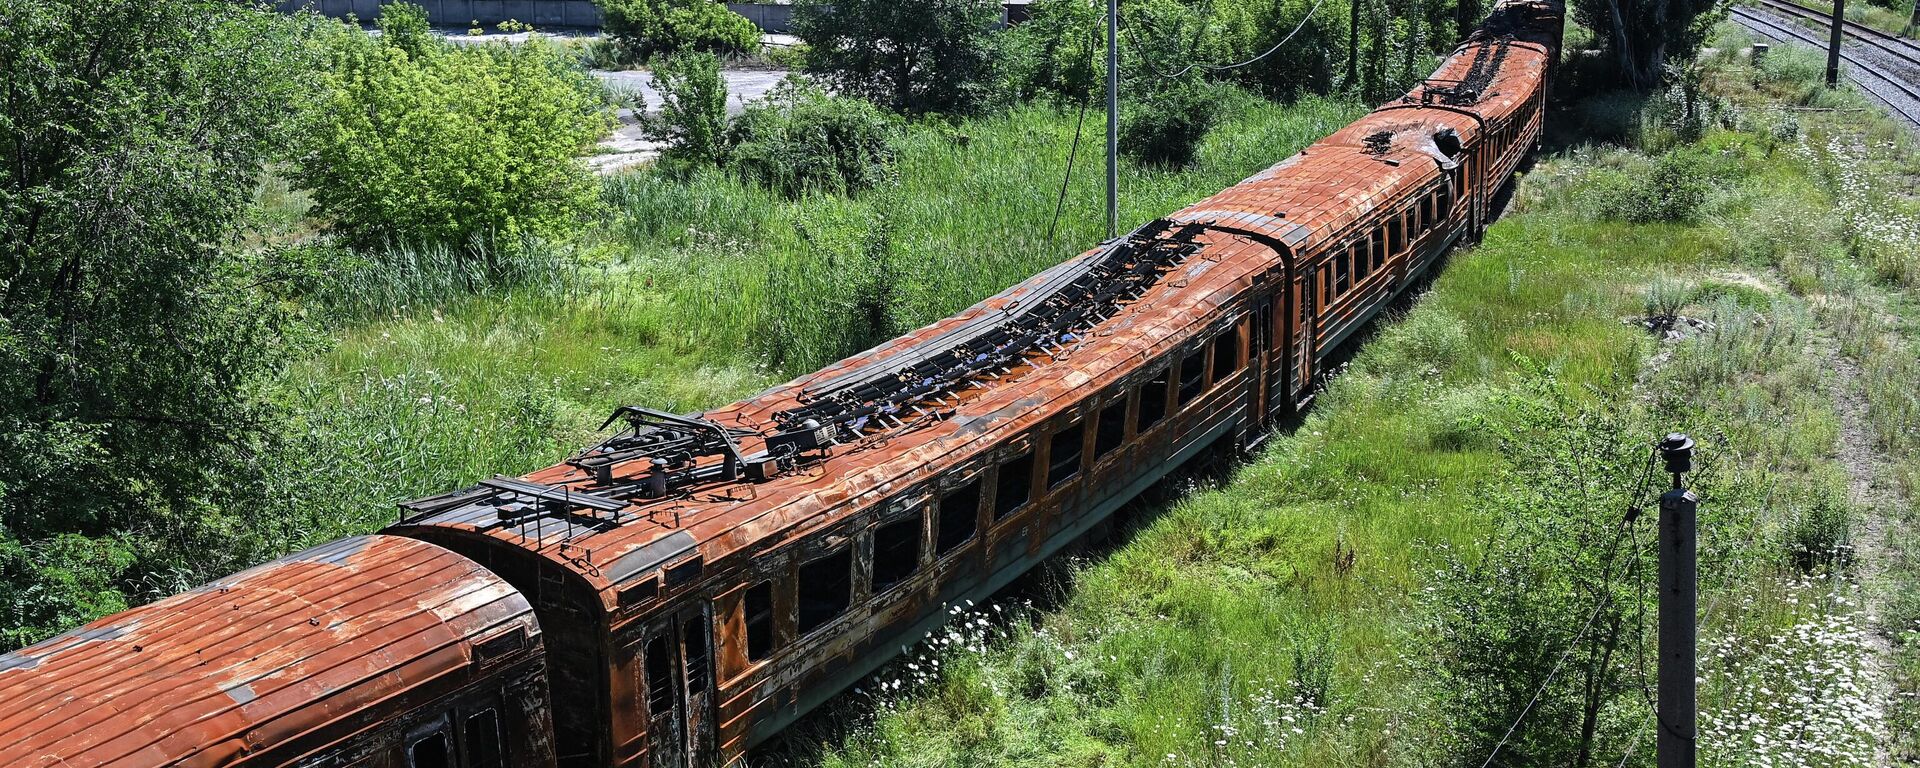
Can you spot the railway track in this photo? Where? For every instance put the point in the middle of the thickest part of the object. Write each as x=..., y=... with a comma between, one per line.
x=1884, y=65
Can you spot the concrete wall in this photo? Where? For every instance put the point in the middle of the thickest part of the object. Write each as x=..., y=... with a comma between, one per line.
x=578, y=14
x=572, y=14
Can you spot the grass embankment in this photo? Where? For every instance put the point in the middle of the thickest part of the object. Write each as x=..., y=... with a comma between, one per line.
x=1890, y=17
x=693, y=293
x=1389, y=583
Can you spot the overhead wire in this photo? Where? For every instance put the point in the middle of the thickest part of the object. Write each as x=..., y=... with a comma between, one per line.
x=1238, y=64
x=1627, y=529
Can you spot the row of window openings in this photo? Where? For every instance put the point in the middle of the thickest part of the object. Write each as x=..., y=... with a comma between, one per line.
x=826, y=583
x=1370, y=253
x=483, y=750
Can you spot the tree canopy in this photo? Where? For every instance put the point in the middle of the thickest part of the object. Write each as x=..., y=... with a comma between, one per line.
x=912, y=56
x=130, y=142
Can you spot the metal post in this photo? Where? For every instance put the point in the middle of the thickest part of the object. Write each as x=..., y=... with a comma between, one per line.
x=1833, y=43
x=1113, y=119
x=1679, y=576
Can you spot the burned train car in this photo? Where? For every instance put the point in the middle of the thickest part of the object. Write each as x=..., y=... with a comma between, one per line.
x=371, y=652
x=693, y=583
x=703, y=580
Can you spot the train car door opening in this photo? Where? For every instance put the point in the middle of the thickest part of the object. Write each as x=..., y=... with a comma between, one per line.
x=679, y=679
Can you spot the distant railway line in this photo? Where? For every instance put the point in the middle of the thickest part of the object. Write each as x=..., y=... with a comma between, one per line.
x=1886, y=66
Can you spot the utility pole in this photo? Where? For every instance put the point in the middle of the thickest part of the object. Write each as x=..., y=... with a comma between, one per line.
x=1833, y=43
x=1113, y=119
x=1679, y=599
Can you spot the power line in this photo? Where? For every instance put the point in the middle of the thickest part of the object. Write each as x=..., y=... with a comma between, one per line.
x=1606, y=598
x=1061, y=204
x=1551, y=674
x=1236, y=65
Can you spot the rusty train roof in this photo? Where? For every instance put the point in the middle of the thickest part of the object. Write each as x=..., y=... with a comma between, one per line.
x=1301, y=203
x=255, y=660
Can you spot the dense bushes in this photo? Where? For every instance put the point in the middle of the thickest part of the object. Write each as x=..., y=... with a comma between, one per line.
x=130, y=338
x=1167, y=129
x=912, y=56
x=693, y=111
x=643, y=28
x=1059, y=54
x=801, y=138
x=447, y=144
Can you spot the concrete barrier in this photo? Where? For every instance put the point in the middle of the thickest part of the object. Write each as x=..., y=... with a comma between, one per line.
x=551, y=14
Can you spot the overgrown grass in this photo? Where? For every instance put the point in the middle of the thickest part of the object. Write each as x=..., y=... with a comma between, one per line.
x=1278, y=620
x=442, y=366
x=805, y=283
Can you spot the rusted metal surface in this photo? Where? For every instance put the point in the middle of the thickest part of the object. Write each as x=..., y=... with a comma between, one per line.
x=1257, y=283
x=320, y=658
x=701, y=580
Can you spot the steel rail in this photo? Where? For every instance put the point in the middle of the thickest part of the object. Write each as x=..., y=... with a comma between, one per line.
x=1902, y=47
x=1862, y=72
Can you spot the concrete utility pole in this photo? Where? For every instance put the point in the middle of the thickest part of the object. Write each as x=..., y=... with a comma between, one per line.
x=1679, y=599
x=1833, y=43
x=1113, y=119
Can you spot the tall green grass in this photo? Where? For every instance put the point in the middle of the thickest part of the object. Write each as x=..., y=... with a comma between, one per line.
x=1283, y=618
x=444, y=365
x=967, y=215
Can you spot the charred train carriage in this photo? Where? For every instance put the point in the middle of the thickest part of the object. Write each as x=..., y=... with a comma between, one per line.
x=687, y=587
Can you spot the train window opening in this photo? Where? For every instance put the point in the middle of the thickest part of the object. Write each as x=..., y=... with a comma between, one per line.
x=826, y=589
x=1430, y=210
x=758, y=606
x=1359, y=256
x=1013, y=486
x=1412, y=227
x=659, y=665
x=1226, y=356
x=1396, y=237
x=1063, y=454
x=1341, y=274
x=483, y=740
x=1111, y=430
x=693, y=632
x=1153, y=401
x=959, y=517
x=896, y=553
x=1193, y=375
x=1380, y=248
x=431, y=751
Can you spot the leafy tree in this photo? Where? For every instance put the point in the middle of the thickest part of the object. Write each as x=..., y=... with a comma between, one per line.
x=1305, y=64
x=1554, y=585
x=801, y=138
x=450, y=144
x=130, y=341
x=1641, y=37
x=646, y=28
x=1059, y=53
x=405, y=26
x=1167, y=128
x=693, y=115
x=912, y=56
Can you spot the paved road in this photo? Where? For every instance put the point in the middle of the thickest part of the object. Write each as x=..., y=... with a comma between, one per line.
x=743, y=85
x=628, y=146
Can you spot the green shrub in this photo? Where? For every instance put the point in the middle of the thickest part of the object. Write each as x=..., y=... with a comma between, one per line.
x=800, y=139
x=1166, y=128
x=693, y=114
x=646, y=28
x=404, y=26
x=912, y=56
x=1059, y=53
x=1672, y=190
x=452, y=144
